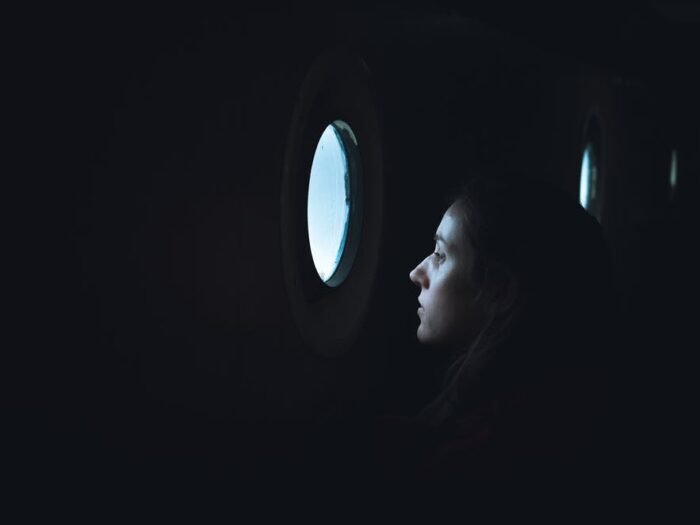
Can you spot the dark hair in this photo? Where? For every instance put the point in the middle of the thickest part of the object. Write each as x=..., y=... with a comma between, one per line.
x=544, y=276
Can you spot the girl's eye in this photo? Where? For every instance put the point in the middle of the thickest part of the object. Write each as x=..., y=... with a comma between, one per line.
x=438, y=255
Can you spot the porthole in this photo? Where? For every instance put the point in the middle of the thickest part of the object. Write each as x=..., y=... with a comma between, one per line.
x=591, y=183
x=332, y=195
x=589, y=176
x=334, y=204
x=673, y=173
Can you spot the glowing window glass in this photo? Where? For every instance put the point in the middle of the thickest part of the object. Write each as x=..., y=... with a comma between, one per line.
x=330, y=202
x=589, y=176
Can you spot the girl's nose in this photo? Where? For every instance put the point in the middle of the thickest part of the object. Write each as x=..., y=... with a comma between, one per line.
x=417, y=275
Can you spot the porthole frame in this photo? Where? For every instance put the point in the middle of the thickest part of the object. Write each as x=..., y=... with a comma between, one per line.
x=337, y=87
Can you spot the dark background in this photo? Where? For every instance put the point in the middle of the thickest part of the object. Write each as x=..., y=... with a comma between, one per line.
x=150, y=337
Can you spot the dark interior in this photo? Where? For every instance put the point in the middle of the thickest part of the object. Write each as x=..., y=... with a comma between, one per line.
x=154, y=339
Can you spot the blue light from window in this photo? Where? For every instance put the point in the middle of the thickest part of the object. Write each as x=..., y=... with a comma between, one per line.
x=589, y=176
x=328, y=208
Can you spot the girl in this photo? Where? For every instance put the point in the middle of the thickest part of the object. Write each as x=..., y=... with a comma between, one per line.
x=518, y=289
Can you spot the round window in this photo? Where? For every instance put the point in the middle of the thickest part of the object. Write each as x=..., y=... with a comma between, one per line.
x=331, y=216
x=673, y=172
x=333, y=205
x=589, y=176
x=591, y=186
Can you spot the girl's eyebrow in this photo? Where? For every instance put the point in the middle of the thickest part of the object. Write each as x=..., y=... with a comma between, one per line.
x=439, y=238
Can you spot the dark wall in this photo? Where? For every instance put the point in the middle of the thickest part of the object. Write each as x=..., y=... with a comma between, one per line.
x=159, y=337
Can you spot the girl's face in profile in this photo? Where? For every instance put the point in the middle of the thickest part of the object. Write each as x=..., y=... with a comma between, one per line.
x=449, y=313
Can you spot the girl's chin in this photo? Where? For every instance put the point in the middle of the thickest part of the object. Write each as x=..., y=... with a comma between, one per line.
x=430, y=339
x=423, y=338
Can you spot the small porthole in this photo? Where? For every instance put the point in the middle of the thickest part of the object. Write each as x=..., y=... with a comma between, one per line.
x=589, y=176
x=673, y=175
x=334, y=203
x=591, y=184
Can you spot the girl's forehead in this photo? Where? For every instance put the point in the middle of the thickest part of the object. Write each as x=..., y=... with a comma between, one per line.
x=445, y=235
x=450, y=231
x=449, y=227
